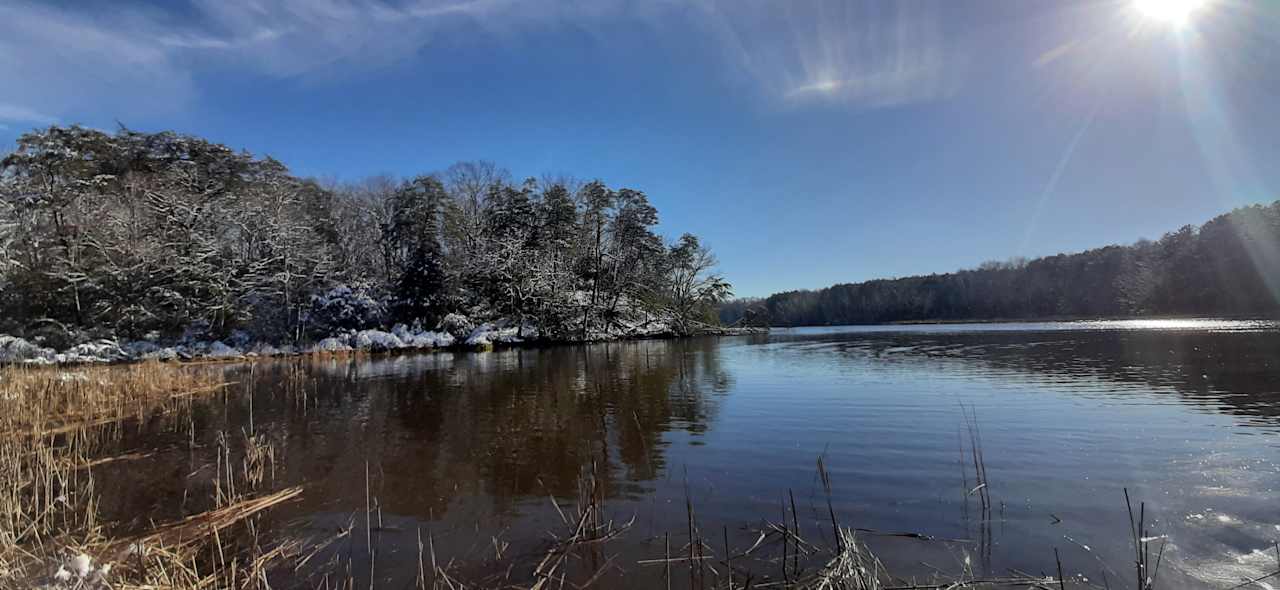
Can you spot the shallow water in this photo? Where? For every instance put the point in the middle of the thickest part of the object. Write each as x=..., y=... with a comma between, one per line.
x=466, y=450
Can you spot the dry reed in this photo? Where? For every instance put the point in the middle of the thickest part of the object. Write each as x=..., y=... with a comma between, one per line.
x=58, y=425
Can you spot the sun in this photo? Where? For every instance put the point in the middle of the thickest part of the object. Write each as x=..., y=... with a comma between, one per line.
x=1173, y=12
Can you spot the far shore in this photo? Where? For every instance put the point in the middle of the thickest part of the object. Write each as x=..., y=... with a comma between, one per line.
x=1048, y=319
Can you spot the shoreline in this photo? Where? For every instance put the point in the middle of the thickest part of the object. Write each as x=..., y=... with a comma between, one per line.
x=1042, y=320
x=108, y=352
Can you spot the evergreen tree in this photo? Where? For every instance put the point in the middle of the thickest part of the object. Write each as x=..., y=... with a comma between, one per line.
x=411, y=244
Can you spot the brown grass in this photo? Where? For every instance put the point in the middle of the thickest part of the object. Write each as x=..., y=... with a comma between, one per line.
x=58, y=425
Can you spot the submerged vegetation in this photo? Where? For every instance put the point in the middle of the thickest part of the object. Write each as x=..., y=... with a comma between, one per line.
x=57, y=429
x=1230, y=266
x=167, y=238
x=61, y=432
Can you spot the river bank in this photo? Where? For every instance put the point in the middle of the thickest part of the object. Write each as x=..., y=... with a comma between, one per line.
x=450, y=336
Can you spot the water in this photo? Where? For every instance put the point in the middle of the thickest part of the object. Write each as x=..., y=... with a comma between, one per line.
x=467, y=450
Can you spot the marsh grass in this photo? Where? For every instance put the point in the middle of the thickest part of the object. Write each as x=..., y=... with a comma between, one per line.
x=778, y=556
x=58, y=426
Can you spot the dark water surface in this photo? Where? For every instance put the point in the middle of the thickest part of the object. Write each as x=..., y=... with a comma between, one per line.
x=466, y=449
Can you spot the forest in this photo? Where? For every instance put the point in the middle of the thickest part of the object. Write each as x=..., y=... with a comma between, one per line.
x=1230, y=266
x=164, y=237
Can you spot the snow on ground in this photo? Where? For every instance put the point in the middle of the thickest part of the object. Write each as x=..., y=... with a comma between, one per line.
x=500, y=332
x=79, y=572
x=331, y=344
x=377, y=341
x=146, y=350
x=17, y=350
x=218, y=350
x=453, y=329
x=645, y=327
x=418, y=338
x=101, y=351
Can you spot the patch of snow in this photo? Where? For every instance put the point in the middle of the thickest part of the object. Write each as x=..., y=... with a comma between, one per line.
x=218, y=350
x=201, y=348
x=442, y=339
x=417, y=338
x=146, y=350
x=101, y=351
x=377, y=340
x=457, y=325
x=78, y=572
x=331, y=344
x=17, y=350
x=82, y=564
x=501, y=332
x=483, y=335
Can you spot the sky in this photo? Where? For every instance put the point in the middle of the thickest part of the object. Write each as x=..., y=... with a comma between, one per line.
x=807, y=142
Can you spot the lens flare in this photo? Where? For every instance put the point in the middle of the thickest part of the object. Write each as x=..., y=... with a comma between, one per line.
x=1173, y=12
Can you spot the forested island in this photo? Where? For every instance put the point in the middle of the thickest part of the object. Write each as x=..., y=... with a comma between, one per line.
x=136, y=245
x=1230, y=266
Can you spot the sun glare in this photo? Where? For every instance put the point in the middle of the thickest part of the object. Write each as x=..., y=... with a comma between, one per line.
x=1173, y=12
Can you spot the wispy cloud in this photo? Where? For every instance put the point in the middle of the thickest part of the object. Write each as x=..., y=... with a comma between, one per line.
x=55, y=61
x=9, y=112
x=139, y=60
x=196, y=41
x=295, y=37
x=1055, y=54
x=865, y=53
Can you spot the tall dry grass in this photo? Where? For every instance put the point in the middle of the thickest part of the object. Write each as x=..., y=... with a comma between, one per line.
x=58, y=425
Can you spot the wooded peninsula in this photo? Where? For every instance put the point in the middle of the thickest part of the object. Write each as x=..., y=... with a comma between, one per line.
x=132, y=244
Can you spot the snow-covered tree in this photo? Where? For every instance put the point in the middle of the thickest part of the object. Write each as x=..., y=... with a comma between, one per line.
x=694, y=290
x=129, y=234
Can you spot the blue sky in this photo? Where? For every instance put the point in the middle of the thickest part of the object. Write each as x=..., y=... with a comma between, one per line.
x=808, y=143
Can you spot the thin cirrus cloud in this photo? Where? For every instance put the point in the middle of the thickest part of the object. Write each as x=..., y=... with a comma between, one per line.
x=128, y=61
x=869, y=54
x=9, y=112
x=55, y=62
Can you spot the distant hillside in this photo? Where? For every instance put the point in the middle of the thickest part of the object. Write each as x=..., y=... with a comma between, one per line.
x=1228, y=266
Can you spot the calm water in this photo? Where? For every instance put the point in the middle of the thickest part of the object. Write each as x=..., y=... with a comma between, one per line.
x=468, y=449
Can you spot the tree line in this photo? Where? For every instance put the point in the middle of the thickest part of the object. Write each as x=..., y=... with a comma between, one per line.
x=162, y=235
x=1230, y=266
